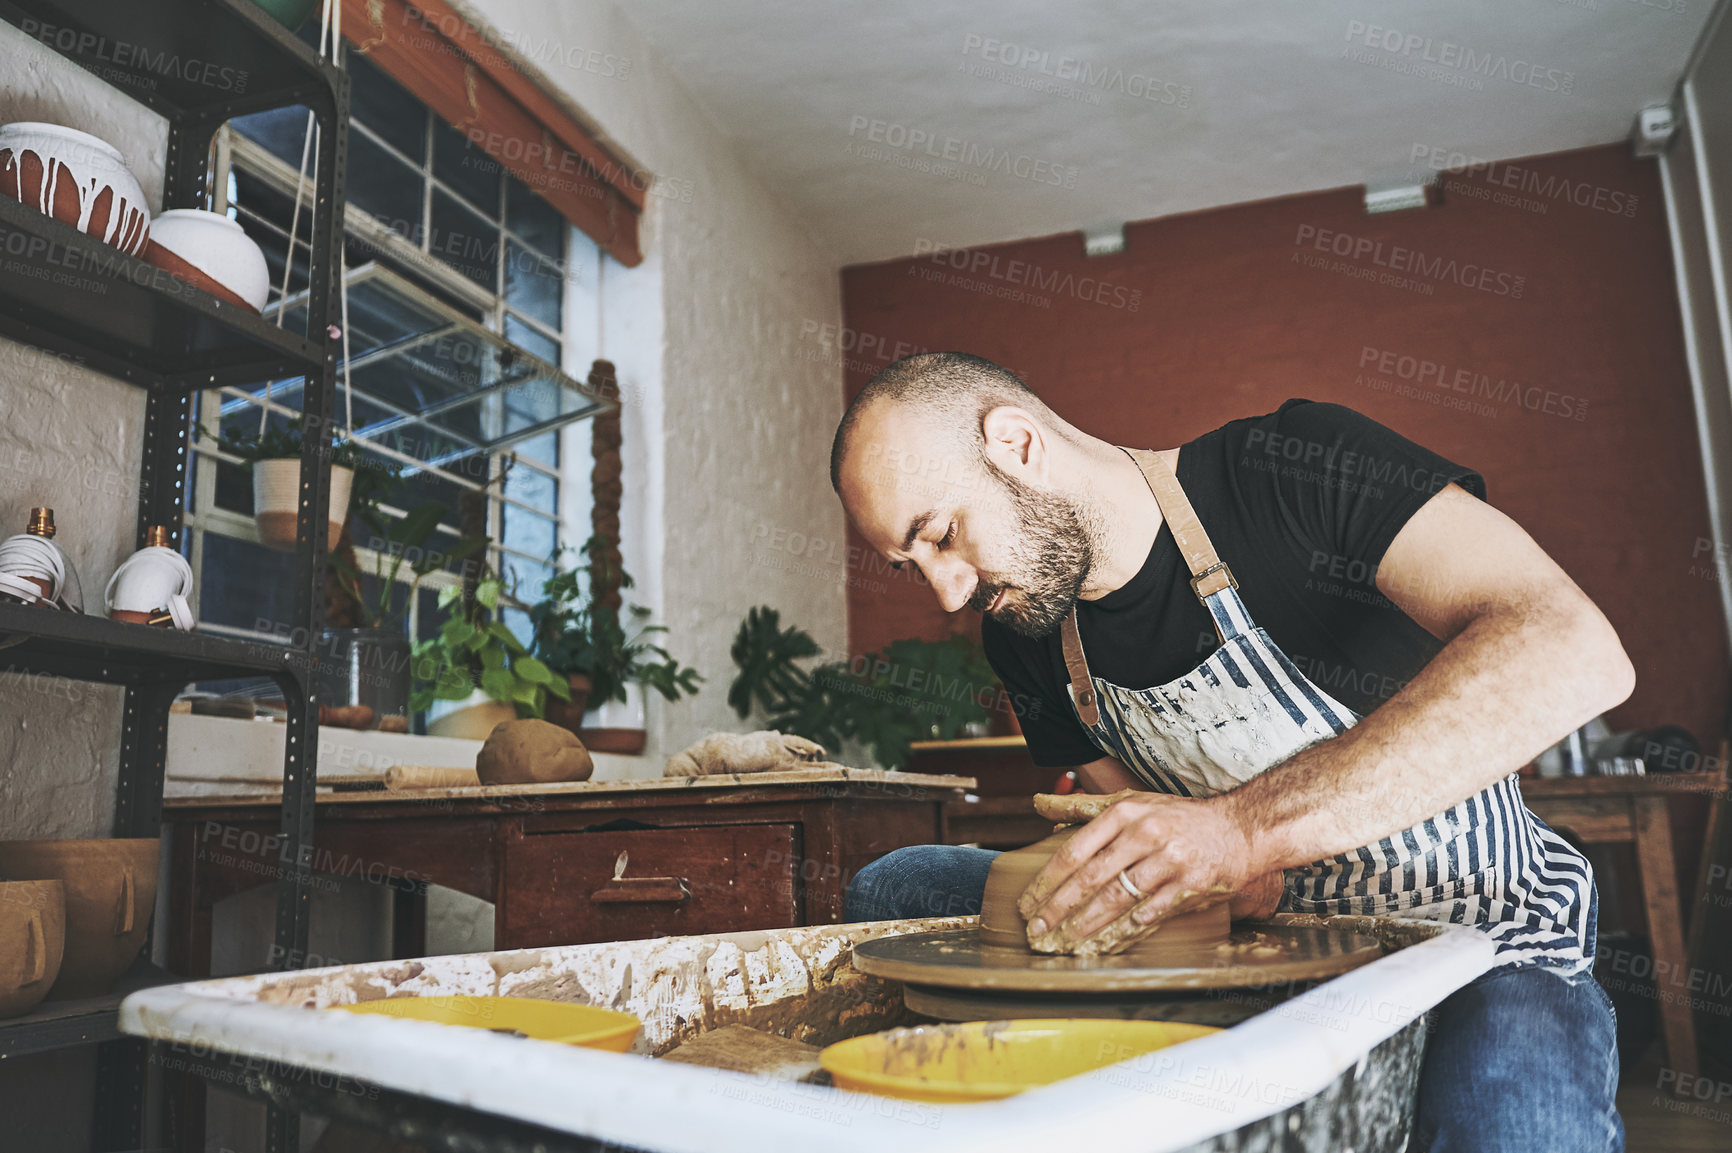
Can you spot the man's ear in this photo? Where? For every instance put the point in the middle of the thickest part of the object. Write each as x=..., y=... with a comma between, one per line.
x=1016, y=444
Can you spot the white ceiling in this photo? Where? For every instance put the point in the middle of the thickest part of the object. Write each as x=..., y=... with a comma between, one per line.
x=1275, y=107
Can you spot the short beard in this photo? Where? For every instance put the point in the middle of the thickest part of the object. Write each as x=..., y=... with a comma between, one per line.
x=1051, y=555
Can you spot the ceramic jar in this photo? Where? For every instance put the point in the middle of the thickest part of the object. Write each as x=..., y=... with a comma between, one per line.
x=110, y=887
x=32, y=941
x=75, y=178
x=151, y=581
x=212, y=252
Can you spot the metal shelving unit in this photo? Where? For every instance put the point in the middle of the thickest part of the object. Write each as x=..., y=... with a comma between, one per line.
x=81, y=299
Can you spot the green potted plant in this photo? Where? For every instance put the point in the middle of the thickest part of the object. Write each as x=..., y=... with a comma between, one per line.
x=477, y=660
x=600, y=654
x=273, y=456
x=913, y=690
x=366, y=660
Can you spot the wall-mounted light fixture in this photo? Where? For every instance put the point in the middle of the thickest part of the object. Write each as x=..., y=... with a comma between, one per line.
x=1397, y=198
x=1104, y=240
x=1652, y=133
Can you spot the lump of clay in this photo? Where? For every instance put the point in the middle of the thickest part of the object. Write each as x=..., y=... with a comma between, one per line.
x=531, y=753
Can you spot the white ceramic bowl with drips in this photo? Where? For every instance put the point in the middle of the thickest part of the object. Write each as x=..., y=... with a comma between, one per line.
x=87, y=165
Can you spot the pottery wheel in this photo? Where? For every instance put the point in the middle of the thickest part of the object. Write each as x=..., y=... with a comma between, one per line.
x=1222, y=1008
x=1253, y=955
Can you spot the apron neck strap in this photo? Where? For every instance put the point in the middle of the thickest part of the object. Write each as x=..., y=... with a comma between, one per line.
x=1209, y=574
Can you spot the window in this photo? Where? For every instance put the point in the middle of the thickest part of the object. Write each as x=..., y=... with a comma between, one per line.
x=436, y=233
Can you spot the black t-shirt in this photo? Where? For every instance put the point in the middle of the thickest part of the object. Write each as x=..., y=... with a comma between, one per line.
x=1301, y=504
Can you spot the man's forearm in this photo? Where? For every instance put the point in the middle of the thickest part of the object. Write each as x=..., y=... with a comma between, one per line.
x=1507, y=687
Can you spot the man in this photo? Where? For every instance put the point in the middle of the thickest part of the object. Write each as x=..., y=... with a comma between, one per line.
x=1314, y=658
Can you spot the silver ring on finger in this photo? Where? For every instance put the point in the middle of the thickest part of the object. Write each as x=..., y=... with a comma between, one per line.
x=1130, y=886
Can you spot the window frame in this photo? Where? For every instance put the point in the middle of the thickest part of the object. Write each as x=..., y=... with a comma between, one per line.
x=202, y=515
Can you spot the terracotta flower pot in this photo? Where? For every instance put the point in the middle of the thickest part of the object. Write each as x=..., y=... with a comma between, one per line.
x=110, y=895
x=32, y=941
x=76, y=179
x=629, y=742
x=568, y=715
x=277, y=492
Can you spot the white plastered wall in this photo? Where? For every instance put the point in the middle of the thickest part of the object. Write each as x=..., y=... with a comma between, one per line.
x=727, y=423
x=70, y=440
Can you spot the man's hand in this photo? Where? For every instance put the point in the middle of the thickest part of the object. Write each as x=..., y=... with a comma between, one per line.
x=1185, y=854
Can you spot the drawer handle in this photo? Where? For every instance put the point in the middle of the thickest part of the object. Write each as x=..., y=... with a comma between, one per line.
x=621, y=889
x=671, y=890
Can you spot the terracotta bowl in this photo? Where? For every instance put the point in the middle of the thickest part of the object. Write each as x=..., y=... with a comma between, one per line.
x=110, y=895
x=32, y=940
x=1011, y=873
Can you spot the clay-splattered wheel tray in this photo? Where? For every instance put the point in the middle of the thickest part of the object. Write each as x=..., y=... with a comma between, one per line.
x=1259, y=954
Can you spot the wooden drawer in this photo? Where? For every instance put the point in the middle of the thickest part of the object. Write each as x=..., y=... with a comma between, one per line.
x=560, y=888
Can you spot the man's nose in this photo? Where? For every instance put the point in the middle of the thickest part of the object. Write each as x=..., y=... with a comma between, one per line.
x=952, y=584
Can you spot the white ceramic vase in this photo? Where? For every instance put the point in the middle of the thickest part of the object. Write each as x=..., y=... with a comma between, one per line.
x=75, y=178
x=152, y=580
x=212, y=252
x=277, y=491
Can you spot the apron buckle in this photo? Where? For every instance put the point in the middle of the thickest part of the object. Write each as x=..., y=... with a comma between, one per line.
x=1218, y=567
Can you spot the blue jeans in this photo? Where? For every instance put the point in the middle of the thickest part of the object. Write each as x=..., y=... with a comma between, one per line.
x=1519, y=1060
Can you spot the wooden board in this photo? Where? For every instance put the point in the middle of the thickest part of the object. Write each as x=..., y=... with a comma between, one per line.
x=742, y=1049
x=1260, y=955
x=888, y=778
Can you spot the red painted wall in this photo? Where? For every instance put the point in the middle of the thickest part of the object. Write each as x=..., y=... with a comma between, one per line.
x=1561, y=283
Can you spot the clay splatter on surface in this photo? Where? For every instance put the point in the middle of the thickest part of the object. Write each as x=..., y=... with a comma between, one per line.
x=795, y=983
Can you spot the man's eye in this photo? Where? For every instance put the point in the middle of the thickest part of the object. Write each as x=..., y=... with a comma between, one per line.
x=949, y=536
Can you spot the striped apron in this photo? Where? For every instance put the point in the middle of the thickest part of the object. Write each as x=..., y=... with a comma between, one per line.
x=1486, y=862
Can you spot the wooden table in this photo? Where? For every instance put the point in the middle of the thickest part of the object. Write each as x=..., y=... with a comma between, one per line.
x=1634, y=811
x=572, y=863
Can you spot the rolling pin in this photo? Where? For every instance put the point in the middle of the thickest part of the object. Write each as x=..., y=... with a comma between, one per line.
x=430, y=777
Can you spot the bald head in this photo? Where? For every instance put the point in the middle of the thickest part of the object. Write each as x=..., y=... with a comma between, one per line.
x=947, y=394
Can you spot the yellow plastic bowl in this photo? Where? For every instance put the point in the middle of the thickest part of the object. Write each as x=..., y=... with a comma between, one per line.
x=988, y=1060
x=541, y=1020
